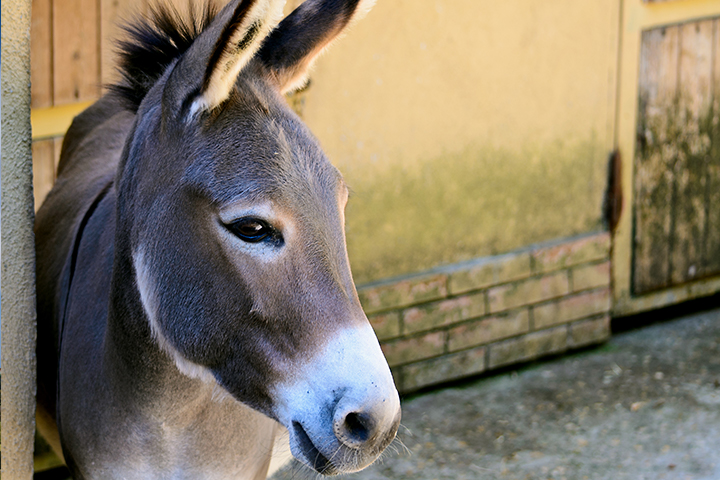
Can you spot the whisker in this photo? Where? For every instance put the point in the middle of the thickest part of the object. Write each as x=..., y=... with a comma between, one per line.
x=402, y=444
x=407, y=430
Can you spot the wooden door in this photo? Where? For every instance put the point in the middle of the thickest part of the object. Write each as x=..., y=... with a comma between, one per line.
x=677, y=157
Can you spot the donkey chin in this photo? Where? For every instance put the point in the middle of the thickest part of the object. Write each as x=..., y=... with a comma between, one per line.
x=342, y=409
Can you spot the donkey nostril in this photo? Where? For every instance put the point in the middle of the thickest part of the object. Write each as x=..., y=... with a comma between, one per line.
x=356, y=429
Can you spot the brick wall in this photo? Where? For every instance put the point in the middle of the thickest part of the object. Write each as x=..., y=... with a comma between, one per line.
x=471, y=317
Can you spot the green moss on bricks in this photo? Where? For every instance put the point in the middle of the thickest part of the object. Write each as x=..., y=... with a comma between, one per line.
x=443, y=369
x=572, y=308
x=479, y=202
x=403, y=293
x=586, y=277
x=489, y=330
x=491, y=271
x=386, y=325
x=528, y=347
x=445, y=312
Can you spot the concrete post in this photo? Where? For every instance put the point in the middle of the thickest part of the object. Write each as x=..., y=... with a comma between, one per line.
x=18, y=247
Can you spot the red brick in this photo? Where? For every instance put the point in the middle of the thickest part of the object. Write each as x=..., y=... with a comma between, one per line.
x=411, y=349
x=588, y=332
x=443, y=369
x=386, y=325
x=527, y=292
x=572, y=308
x=586, y=277
x=488, y=330
x=403, y=293
x=490, y=271
x=444, y=312
x=582, y=250
x=528, y=347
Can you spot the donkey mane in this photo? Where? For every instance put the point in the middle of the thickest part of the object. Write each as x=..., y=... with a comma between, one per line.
x=153, y=42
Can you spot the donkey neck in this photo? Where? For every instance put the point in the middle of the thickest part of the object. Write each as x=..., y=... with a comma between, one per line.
x=186, y=415
x=133, y=356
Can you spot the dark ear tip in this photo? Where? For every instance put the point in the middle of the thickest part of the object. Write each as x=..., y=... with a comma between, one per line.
x=291, y=48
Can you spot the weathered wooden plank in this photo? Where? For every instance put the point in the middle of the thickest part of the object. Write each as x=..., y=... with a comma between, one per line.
x=41, y=54
x=696, y=67
x=659, y=69
x=711, y=246
x=716, y=62
x=658, y=88
x=114, y=13
x=43, y=153
x=677, y=181
x=690, y=165
x=76, y=52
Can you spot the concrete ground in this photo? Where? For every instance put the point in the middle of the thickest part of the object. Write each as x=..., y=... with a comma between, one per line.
x=646, y=405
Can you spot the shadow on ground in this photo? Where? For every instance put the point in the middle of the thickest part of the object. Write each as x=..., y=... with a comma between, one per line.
x=646, y=405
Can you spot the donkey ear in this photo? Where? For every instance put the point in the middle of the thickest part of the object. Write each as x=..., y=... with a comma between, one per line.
x=207, y=72
x=291, y=49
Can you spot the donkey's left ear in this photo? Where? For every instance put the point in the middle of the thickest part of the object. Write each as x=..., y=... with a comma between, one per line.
x=206, y=74
x=293, y=46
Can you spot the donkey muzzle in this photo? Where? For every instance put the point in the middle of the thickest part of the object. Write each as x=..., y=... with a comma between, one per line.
x=362, y=425
x=345, y=410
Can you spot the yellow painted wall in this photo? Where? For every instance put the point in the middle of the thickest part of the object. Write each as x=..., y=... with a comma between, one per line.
x=468, y=127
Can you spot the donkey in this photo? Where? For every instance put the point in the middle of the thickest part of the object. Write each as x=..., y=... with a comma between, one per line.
x=195, y=298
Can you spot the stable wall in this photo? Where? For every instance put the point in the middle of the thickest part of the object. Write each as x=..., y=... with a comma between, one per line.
x=467, y=128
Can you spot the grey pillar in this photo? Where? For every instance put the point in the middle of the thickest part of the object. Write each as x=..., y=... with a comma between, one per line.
x=18, y=246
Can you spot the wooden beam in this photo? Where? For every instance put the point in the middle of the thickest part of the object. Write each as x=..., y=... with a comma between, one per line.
x=54, y=121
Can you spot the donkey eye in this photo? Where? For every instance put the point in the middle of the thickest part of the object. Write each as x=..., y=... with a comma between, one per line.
x=252, y=230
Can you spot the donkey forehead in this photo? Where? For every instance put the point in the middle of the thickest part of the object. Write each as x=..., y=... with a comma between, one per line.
x=263, y=152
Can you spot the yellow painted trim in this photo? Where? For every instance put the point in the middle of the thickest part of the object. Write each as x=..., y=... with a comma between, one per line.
x=645, y=16
x=54, y=121
x=669, y=296
x=639, y=16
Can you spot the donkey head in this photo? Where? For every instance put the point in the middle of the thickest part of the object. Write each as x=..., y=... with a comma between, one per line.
x=236, y=232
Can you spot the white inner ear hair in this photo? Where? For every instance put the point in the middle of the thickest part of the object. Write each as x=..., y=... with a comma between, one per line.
x=260, y=20
x=361, y=10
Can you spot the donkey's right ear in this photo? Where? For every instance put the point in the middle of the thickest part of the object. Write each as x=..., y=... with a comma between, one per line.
x=291, y=49
x=206, y=73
